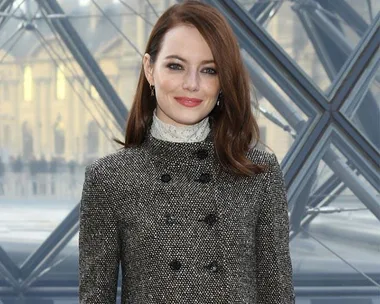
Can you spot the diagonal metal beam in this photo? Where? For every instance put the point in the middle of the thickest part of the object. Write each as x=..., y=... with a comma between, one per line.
x=268, y=54
x=361, y=142
x=286, y=109
x=250, y=37
x=52, y=52
x=330, y=29
x=259, y=8
x=134, y=12
x=8, y=269
x=152, y=7
x=10, y=38
x=330, y=188
x=333, y=50
x=262, y=12
x=117, y=28
x=87, y=62
x=322, y=50
x=342, y=171
x=335, y=163
x=369, y=45
x=347, y=13
x=49, y=249
x=4, y=5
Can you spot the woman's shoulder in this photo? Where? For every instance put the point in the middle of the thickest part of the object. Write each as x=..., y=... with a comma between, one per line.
x=262, y=157
x=122, y=159
x=269, y=160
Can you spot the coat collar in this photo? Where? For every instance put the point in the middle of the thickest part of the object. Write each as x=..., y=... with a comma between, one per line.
x=162, y=148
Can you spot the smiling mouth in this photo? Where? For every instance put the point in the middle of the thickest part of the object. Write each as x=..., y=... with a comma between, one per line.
x=188, y=102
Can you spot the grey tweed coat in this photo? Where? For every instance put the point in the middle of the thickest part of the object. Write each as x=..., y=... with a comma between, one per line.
x=183, y=230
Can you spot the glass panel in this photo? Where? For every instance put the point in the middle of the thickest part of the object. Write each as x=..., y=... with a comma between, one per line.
x=116, y=33
x=26, y=222
x=277, y=112
x=50, y=130
x=319, y=35
x=367, y=11
x=362, y=107
x=337, y=246
x=43, y=145
x=339, y=236
x=63, y=269
x=46, y=142
x=4, y=282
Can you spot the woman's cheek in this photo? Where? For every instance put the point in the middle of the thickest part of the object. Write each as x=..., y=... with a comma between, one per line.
x=170, y=82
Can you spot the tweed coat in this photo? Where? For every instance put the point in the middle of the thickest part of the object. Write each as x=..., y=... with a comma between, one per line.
x=183, y=230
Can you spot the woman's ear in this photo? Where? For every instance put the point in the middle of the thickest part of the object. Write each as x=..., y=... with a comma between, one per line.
x=148, y=69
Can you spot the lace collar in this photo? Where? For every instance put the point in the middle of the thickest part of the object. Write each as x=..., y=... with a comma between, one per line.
x=167, y=132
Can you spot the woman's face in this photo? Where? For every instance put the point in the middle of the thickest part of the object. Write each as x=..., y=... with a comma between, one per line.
x=185, y=77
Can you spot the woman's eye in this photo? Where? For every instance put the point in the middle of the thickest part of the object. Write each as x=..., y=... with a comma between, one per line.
x=174, y=66
x=209, y=71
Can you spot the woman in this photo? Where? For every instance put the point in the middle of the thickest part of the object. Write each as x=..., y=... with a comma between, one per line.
x=189, y=207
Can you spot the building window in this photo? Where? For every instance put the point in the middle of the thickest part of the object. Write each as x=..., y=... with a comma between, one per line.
x=28, y=83
x=61, y=83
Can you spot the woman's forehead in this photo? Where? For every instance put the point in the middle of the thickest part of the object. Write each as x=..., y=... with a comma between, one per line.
x=185, y=42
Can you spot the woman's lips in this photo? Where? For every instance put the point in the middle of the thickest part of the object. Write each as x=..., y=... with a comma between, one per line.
x=188, y=102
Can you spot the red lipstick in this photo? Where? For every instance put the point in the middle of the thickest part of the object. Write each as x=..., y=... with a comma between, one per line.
x=188, y=102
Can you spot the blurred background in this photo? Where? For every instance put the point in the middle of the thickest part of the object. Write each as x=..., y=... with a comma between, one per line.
x=68, y=72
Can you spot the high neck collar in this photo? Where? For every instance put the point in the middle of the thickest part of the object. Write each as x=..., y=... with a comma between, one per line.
x=178, y=152
x=184, y=134
x=164, y=148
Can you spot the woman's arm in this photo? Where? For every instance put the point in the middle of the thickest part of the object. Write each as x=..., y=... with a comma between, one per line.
x=274, y=267
x=99, y=252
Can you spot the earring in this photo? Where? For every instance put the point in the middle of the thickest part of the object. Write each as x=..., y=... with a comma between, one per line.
x=151, y=90
x=219, y=97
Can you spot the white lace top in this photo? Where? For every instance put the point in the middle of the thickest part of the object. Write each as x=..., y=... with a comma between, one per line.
x=193, y=133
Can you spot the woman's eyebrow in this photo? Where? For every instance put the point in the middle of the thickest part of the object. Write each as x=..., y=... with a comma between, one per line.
x=184, y=60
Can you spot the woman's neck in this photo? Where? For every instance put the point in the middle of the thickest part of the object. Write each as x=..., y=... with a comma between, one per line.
x=192, y=133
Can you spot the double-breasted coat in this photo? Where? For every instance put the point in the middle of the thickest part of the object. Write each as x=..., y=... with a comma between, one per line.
x=183, y=230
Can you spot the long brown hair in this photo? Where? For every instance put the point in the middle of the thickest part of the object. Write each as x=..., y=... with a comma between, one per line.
x=234, y=127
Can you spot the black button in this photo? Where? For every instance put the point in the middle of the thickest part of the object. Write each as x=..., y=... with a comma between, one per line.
x=175, y=265
x=213, y=266
x=169, y=219
x=202, y=154
x=165, y=178
x=204, y=178
x=210, y=219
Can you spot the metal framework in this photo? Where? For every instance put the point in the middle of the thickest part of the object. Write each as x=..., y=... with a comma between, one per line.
x=327, y=113
x=85, y=59
x=327, y=123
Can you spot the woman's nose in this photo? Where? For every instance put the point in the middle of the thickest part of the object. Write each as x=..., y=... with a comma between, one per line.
x=191, y=81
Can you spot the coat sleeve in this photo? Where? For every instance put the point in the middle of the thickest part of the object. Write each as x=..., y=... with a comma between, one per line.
x=99, y=252
x=274, y=267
